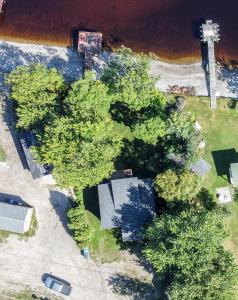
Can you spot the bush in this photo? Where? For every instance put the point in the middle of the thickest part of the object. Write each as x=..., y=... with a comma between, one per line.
x=78, y=222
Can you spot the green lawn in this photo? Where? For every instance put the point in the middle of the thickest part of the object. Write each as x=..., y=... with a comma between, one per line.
x=220, y=130
x=104, y=244
x=3, y=156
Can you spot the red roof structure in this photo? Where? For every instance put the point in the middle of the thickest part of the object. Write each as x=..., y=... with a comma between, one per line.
x=90, y=44
x=1, y=4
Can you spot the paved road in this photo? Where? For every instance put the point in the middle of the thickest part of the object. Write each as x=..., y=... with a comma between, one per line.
x=51, y=249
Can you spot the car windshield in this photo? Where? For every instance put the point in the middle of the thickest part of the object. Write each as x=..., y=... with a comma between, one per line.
x=56, y=286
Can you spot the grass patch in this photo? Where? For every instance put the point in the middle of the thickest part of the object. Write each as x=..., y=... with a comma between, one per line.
x=3, y=156
x=29, y=294
x=33, y=227
x=105, y=243
x=3, y=236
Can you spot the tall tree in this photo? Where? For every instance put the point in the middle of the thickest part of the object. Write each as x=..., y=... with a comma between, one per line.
x=186, y=250
x=37, y=90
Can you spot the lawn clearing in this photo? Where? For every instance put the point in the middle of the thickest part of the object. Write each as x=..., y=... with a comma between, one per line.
x=220, y=130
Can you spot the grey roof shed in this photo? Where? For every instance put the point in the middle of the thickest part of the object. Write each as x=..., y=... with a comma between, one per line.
x=126, y=203
x=15, y=218
x=37, y=170
x=234, y=174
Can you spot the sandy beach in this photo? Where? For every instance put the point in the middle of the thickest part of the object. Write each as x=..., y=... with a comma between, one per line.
x=70, y=63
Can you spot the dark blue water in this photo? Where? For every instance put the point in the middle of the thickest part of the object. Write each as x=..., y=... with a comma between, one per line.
x=166, y=27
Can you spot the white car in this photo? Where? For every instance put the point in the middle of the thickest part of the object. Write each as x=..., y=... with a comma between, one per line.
x=56, y=284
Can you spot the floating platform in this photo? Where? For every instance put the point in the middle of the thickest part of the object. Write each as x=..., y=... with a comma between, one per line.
x=1, y=5
x=90, y=44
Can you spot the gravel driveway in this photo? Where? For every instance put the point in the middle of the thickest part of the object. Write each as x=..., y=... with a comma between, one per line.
x=51, y=249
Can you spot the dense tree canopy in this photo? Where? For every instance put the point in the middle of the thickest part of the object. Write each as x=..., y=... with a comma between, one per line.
x=82, y=153
x=136, y=99
x=187, y=252
x=36, y=90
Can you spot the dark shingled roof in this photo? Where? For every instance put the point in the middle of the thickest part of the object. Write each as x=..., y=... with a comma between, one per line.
x=12, y=217
x=128, y=204
x=27, y=140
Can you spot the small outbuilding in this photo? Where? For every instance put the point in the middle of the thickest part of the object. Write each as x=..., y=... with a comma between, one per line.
x=27, y=140
x=234, y=174
x=224, y=194
x=128, y=204
x=15, y=218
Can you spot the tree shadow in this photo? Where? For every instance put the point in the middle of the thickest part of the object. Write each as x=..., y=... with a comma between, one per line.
x=66, y=60
x=143, y=158
x=134, y=287
x=228, y=72
x=222, y=160
x=91, y=202
x=60, y=202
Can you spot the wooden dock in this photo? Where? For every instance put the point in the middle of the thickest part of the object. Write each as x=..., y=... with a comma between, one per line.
x=90, y=44
x=1, y=5
x=210, y=35
x=212, y=74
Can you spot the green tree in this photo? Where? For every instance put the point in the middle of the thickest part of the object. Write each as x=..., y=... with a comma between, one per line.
x=182, y=138
x=186, y=250
x=88, y=99
x=177, y=185
x=78, y=222
x=82, y=153
x=37, y=91
x=149, y=130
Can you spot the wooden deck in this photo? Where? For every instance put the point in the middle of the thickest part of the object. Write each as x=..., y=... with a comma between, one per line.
x=1, y=5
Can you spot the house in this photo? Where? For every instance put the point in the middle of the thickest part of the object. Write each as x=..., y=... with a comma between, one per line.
x=37, y=170
x=234, y=174
x=15, y=218
x=128, y=204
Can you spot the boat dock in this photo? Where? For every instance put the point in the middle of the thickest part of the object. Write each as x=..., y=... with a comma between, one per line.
x=210, y=34
x=1, y=5
x=89, y=44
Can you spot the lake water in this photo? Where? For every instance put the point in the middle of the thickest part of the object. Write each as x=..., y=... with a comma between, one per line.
x=166, y=27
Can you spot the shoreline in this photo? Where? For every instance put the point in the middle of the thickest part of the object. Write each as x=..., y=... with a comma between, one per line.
x=70, y=63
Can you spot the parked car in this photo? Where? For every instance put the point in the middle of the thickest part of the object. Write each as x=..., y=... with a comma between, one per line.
x=56, y=284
